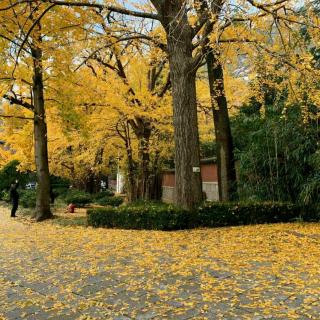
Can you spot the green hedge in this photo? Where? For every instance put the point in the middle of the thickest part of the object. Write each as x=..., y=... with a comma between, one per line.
x=233, y=214
x=149, y=218
x=77, y=197
x=110, y=201
x=166, y=217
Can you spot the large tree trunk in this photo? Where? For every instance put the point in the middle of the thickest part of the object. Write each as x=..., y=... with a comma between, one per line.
x=226, y=164
x=183, y=71
x=40, y=140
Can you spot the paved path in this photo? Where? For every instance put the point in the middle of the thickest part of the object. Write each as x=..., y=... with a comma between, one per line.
x=255, y=272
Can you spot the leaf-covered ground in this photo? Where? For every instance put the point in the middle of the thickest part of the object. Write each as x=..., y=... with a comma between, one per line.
x=48, y=271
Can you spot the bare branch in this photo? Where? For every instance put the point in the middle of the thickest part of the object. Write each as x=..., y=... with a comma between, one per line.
x=121, y=10
x=14, y=4
x=20, y=102
x=16, y=117
x=29, y=32
x=13, y=42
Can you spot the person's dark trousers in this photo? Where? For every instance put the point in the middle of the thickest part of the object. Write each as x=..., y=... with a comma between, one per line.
x=14, y=208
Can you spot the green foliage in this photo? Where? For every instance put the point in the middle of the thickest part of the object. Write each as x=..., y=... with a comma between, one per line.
x=274, y=151
x=208, y=149
x=110, y=201
x=60, y=191
x=311, y=188
x=9, y=173
x=232, y=214
x=28, y=198
x=147, y=203
x=59, y=185
x=103, y=194
x=147, y=217
x=77, y=197
x=166, y=217
x=5, y=196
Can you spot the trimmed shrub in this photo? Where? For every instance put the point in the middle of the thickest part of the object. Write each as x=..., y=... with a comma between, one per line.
x=77, y=197
x=103, y=194
x=232, y=214
x=165, y=217
x=148, y=203
x=110, y=201
x=150, y=218
x=28, y=198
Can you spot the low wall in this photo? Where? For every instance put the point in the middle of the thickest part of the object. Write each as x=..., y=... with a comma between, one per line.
x=168, y=194
x=210, y=188
x=209, y=175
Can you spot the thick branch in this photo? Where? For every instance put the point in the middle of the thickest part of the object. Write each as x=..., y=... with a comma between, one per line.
x=19, y=102
x=166, y=87
x=121, y=10
x=16, y=117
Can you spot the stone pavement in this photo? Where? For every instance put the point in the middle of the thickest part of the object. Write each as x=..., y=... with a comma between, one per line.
x=255, y=272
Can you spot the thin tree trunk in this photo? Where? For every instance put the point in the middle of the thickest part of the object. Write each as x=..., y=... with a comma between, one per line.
x=40, y=139
x=142, y=131
x=131, y=182
x=227, y=180
x=154, y=183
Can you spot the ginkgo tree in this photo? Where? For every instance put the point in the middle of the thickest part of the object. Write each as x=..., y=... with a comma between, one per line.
x=29, y=37
x=24, y=87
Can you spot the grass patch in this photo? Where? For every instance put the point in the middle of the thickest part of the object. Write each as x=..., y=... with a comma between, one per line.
x=70, y=221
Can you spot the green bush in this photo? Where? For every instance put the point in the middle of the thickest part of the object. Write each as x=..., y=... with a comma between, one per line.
x=28, y=198
x=165, y=217
x=77, y=197
x=9, y=173
x=110, y=201
x=233, y=214
x=5, y=196
x=147, y=203
x=103, y=194
x=151, y=218
x=60, y=191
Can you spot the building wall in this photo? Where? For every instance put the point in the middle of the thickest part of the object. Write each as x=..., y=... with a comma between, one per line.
x=209, y=176
x=209, y=172
x=168, y=179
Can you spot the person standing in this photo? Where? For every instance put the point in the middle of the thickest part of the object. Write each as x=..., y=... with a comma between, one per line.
x=14, y=196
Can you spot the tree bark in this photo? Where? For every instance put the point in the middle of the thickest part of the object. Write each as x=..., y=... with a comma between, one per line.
x=131, y=182
x=188, y=186
x=40, y=139
x=142, y=130
x=226, y=164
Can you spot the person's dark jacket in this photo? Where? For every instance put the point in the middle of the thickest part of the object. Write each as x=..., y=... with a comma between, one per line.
x=14, y=195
